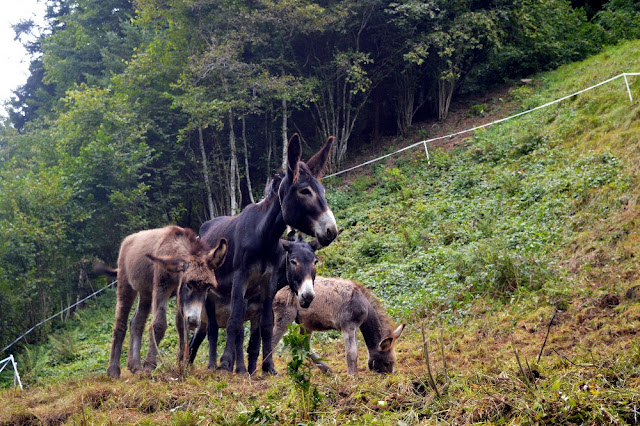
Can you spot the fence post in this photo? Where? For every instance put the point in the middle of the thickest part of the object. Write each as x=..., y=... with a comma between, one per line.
x=628, y=88
x=427, y=151
x=16, y=375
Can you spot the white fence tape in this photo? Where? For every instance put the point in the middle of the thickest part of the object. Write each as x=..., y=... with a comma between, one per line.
x=59, y=313
x=426, y=141
x=14, y=364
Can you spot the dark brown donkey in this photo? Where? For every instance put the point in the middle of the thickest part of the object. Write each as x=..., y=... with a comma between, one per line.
x=296, y=199
x=154, y=264
x=343, y=305
x=297, y=270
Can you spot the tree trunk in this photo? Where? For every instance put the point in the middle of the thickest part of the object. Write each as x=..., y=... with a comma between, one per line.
x=246, y=159
x=233, y=167
x=285, y=140
x=205, y=174
x=446, y=88
x=270, y=148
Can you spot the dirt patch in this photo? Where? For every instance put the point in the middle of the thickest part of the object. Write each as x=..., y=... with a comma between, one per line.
x=489, y=408
x=26, y=419
x=608, y=301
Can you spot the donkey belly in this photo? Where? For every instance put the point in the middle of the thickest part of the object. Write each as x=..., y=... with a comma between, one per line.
x=315, y=320
x=223, y=311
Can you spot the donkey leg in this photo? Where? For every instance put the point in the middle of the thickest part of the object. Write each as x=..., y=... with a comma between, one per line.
x=196, y=341
x=253, y=351
x=317, y=359
x=137, y=328
x=283, y=316
x=351, y=348
x=235, y=330
x=203, y=329
x=266, y=331
x=158, y=327
x=240, y=367
x=183, y=335
x=126, y=296
x=212, y=333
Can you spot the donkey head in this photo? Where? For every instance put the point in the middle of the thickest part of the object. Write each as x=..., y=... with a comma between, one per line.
x=383, y=358
x=301, y=269
x=196, y=278
x=302, y=196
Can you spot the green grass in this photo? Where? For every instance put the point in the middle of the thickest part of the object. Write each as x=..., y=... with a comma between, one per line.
x=482, y=246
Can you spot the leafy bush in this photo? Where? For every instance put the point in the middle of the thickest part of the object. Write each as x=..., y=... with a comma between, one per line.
x=64, y=346
x=32, y=362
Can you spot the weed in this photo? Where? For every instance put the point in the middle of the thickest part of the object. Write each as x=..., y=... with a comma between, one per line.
x=64, y=346
x=299, y=369
x=33, y=360
x=477, y=110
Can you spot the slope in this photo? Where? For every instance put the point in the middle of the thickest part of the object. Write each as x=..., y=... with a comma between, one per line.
x=513, y=253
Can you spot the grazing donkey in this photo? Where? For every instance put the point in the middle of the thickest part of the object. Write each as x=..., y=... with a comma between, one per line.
x=342, y=305
x=154, y=264
x=296, y=199
x=297, y=269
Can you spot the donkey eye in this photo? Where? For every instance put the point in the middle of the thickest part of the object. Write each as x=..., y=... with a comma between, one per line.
x=294, y=262
x=306, y=192
x=189, y=285
x=315, y=261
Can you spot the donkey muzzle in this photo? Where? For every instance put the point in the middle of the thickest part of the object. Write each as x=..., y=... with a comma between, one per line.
x=325, y=228
x=306, y=293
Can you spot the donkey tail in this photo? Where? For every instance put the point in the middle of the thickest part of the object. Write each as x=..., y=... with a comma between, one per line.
x=99, y=268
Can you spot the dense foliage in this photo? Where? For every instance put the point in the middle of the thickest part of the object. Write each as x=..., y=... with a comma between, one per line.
x=138, y=114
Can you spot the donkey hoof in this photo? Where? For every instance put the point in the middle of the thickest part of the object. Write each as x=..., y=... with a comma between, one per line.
x=148, y=367
x=269, y=371
x=212, y=366
x=225, y=367
x=134, y=368
x=113, y=371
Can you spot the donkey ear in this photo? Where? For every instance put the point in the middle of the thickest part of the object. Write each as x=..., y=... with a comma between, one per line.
x=291, y=233
x=294, y=153
x=387, y=342
x=398, y=331
x=315, y=245
x=171, y=264
x=287, y=245
x=217, y=255
x=319, y=162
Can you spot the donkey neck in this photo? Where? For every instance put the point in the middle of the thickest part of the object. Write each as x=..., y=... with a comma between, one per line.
x=372, y=327
x=270, y=225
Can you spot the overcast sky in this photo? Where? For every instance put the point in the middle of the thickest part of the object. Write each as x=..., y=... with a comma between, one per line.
x=14, y=64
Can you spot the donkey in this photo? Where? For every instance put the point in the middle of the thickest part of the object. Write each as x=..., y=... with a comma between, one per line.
x=341, y=305
x=155, y=264
x=297, y=269
x=296, y=199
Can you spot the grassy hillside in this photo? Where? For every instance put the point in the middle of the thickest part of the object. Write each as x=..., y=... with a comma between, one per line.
x=525, y=229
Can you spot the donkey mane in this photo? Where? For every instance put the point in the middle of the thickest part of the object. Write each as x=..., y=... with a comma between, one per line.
x=271, y=190
x=379, y=309
x=195, y=245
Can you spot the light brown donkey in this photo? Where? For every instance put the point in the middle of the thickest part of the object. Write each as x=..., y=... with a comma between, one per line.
x=343, y=305
x=152, y=264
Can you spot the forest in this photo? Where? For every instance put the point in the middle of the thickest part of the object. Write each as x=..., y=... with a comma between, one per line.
x=138, y=114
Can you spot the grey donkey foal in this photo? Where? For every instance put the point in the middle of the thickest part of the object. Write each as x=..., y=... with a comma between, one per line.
x=343, y=305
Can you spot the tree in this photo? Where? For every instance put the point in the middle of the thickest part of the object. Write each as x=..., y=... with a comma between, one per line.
x=450, y=37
